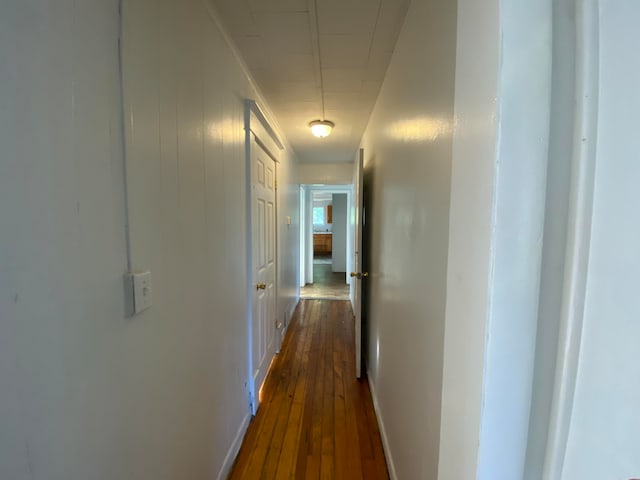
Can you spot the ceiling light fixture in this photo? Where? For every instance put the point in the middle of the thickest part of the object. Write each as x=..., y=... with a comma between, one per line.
x=321, y=128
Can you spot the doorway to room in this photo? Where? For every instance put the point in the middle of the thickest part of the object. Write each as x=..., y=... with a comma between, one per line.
x=326, y=240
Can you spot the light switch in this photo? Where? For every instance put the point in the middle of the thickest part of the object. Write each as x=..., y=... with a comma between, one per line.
x=138, y=286
x=288, y=220
x=142, y=291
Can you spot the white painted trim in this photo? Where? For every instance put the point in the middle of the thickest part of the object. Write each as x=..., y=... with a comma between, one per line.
x=383, y=433
x=578, y=236
x=234, y=449
x=310, y=189
x=262, y=135
x=302, y=268
x=266, y=123
x=309, y=236
x=249, y=255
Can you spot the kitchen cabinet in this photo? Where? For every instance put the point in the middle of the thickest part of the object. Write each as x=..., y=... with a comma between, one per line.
x=322, y=243
x=329, y=213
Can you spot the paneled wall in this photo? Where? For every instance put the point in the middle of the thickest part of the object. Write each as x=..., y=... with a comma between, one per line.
x=86, y=392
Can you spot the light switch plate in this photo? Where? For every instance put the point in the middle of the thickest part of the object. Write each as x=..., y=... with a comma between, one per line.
x=138, y=292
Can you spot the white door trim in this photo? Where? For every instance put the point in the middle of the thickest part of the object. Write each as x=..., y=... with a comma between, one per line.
x=306, y=223
x=578, y=235
x=258, y=128
x=308, y=235
x=355, y=290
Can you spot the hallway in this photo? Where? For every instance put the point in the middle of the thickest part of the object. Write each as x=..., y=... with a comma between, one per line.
x=488, y=149
x=316, y=420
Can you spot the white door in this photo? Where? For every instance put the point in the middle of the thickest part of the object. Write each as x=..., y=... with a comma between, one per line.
x=263, y=198
x=355, y=289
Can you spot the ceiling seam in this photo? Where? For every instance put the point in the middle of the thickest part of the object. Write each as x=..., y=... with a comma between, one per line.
x=375, y=28
x=314, y=23
x=373, y=36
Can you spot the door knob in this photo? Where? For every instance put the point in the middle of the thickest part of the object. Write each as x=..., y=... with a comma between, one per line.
x=261, y=286
x=359, y=274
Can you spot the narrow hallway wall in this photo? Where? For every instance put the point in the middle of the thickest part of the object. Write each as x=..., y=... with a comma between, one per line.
x=455, y=231
x=88, y=393
x=408, y=157
x=184, y=92
x=340, y=206
x=325, y=173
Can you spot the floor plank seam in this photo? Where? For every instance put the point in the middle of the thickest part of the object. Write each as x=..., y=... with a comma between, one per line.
x=315, y=419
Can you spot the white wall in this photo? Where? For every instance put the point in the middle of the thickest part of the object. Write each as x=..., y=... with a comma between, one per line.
x=325, y=173
x=455, y=243
x=339, y=240
x=492, y=308
x=468, y=261
x=603, y=436
x=494, y=409
x=288, y=197
x=64, y=354
x=407, y=149
x=555, y=231
x=524, y=80
x=497, y=223
x=184, y=98
x=308, y=236
x=88, y=393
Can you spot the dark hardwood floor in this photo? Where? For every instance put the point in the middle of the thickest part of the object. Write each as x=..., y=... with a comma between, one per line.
x=316, y=421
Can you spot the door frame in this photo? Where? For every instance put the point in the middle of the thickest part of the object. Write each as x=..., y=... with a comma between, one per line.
x=582, y=158
x=357, y=252
x=306, y=222
x=258, y=128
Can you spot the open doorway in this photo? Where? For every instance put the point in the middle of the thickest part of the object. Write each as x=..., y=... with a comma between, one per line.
x=326, y=240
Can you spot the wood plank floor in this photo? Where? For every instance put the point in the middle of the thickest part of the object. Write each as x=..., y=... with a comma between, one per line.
x=316, y=421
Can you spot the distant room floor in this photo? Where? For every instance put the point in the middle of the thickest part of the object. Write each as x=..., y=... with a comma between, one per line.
x=326, y=284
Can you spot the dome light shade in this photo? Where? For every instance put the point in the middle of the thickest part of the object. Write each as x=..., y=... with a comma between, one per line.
x=321, y=128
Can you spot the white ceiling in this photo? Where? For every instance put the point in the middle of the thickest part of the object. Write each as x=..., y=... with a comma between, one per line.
x=280, y=40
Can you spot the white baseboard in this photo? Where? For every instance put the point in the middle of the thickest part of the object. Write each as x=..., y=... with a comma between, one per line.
x=383, y=433
x=234, y=449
